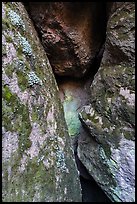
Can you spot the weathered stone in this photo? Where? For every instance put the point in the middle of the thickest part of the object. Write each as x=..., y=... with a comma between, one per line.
x=72, y=33
x=109, y=152
x=37, y=159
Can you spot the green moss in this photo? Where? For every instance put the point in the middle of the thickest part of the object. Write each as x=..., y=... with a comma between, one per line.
x=8, y=39
x=7, y=94
x=43, y=182
x=4, y=51
x=6, y=24
x=107, y=167
x=9, y=69
x=34, y=116
x=107, y=149
x=22, y=80
x=19, y=115
x=19, y=51
x=39, y=71
x=129, y=135
x=7, y=117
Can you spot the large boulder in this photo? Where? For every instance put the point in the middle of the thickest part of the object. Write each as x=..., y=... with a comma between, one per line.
x=108, y=152
x=72, y=33
x=37, y=159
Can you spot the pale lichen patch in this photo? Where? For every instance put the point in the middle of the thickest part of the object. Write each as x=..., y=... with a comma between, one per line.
x=23, y=164
x=48, y=163
x=26, y=47
x=3, y=10
x=124, y=155
x=99, y=119
x=10, y=54
x=52, y=126
x=34, y=79
x=129, y=96
x=16, y=19
x=109, y=100
x=9, y=144
x=37, y=139
x=65, y=190
x=37, y=194
x=61, y=160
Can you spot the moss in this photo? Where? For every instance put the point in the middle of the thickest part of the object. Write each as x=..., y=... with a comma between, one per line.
x=107, y=149
x=19, y=51
x=7, y=117
x=128, y=135
x=6, y=24
x=7, y=94
x=4, y=51
x=34, y=175
x=9, y=69
x=8, y=39
x=22, y=80
x=107, y=167
x=39, y=71
x=21, y=118
x=34, y=115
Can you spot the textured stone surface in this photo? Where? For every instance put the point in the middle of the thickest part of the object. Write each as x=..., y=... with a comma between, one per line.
x=72, y=33
x=37, y=159
x=109, y=151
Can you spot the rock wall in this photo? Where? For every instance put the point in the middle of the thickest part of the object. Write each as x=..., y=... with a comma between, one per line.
x=109, y=151
x=37, y=159
x=72, y=34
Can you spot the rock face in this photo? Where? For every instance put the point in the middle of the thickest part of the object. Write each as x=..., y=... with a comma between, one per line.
x=109, y=151
x=37, y=159
x=72, y=33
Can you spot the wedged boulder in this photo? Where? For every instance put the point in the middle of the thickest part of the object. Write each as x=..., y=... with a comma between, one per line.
x=72, y=33
x=109, y=151
x=37, y=159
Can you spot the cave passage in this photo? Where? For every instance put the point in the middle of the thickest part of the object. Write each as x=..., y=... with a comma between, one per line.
x=75, y=91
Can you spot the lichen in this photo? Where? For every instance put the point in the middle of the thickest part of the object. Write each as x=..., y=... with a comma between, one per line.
x=26, y=47
x=34, y=79
x=60, y=161
x=16, y=19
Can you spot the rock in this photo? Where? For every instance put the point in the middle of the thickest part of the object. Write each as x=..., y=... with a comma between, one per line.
x=37, y=159
x=72, y=33
x=109, y=118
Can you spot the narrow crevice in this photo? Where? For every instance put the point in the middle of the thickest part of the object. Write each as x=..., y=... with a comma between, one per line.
x=74, y=94
x=79, y=90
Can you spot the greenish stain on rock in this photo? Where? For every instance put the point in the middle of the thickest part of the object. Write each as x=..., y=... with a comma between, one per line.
x=21, y=123
x=9, y=69
x=5, y=24
x=7, y=94
x=22, y=80
x=8, y=39
x=4, y=51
